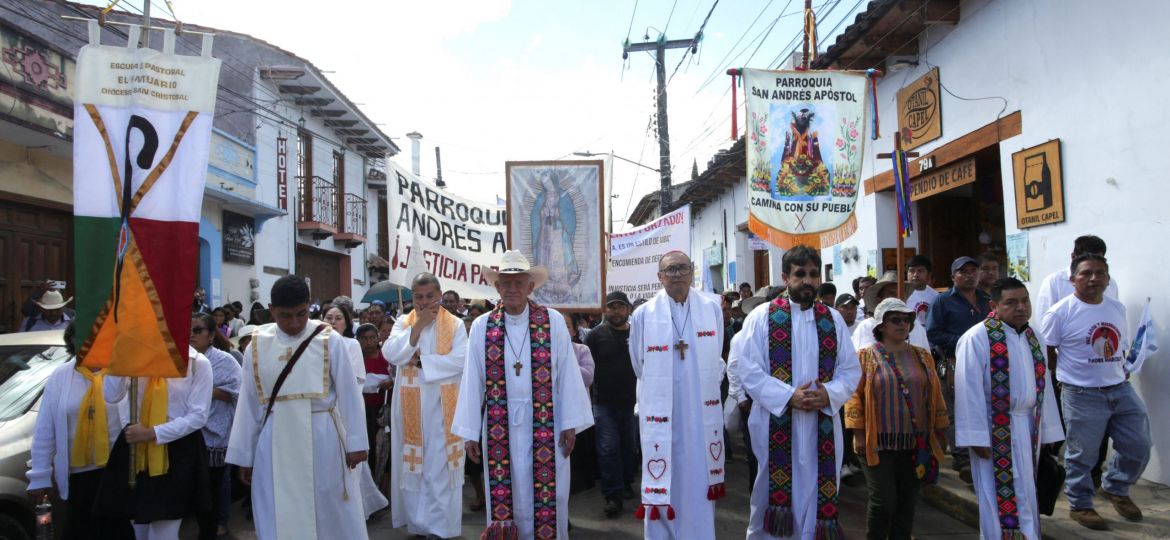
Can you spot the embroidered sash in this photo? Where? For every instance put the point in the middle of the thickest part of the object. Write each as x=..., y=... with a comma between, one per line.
x=544, y=440
x=925, y=464
x=778, y=518
x=1001, y=423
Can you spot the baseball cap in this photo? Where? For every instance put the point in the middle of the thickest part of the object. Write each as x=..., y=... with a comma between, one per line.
x=617, y=296
x=961, y=262
x=845, y=299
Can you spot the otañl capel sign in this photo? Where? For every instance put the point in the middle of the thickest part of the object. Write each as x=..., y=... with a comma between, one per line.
x=920, y=111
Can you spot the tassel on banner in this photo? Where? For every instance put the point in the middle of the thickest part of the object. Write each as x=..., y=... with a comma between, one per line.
x=654, y=515
x=872, y=75
x=670, y=512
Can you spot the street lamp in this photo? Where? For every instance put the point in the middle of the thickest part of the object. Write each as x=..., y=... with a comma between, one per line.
x=612, y=196
x=613, y=155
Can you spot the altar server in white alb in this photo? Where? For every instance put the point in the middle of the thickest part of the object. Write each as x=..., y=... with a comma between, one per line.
x=796, y=361
x=1002, y=381
x=676, y=346
x=299, y=429
x=522, y=395
x=429, y=348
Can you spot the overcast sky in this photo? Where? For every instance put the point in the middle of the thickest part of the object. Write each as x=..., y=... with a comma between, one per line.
x=494, y=80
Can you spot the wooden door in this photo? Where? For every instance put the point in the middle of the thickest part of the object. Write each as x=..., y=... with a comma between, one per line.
x=323, y=270
x=762, y=269
x=35, y=245
x=950, y=230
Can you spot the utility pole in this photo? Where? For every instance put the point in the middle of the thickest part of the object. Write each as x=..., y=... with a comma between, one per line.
x=659, y=47
x=144, y=39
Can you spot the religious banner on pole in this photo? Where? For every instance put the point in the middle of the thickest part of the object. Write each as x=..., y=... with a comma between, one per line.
x=804, y=154
x=633, y=255
x=142, y=132
x=455, y=235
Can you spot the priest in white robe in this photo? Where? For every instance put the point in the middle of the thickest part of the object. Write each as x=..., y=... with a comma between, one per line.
x=805, y=396
x=676, y=345
x=429, y=348
x=300, y=458
x=975, y=396
x=515, y=332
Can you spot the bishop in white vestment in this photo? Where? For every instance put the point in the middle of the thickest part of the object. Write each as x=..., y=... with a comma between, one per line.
x=676, y=345
x=572, y=412
x=973, y=421
x=301, y=457
x=426, y=478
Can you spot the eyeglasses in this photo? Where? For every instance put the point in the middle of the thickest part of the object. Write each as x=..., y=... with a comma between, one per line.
x=677, y=270
x=899, y=319
x=196, y=330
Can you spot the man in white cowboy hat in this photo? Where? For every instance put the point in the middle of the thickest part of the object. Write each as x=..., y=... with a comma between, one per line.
x=886, y=287
x=51, y=314
x=676, y=345
x=523, y=397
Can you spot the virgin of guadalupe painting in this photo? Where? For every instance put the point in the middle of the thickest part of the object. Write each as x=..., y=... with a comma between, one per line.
x=555, y=219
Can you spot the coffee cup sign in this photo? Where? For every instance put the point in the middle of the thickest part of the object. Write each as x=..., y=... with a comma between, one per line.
x=920, y=111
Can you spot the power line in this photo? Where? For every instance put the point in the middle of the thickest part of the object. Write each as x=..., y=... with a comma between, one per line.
x=694, y=42
x=669, y=17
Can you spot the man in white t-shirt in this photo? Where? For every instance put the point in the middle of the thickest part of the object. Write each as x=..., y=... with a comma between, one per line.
x=1058, y=285
x=918, y=277
x=1087, y=329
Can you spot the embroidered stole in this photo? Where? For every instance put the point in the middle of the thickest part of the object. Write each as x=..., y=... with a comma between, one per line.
x=1001, y=422
x=498, y=465
x=778, y=517
x=925, y=464
x=410, y=396
x=656, y=408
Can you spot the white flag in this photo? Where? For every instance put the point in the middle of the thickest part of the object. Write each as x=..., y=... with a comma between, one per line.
x=1145, y=342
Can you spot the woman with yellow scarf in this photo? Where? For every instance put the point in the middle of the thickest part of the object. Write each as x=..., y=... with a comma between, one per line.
x=74, y=432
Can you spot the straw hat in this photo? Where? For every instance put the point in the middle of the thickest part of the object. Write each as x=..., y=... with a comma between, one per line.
x=513, y=263
x=52, y=300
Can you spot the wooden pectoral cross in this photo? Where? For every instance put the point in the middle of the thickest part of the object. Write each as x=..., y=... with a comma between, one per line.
x=681, y=347
x=517, y=367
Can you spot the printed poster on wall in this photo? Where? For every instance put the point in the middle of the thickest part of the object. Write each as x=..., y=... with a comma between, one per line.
x=239, y=238
x=557, y=222
x=456, y=235
x=804, y=154
x=141, y=139
x=633, y=255
x=1017, y=255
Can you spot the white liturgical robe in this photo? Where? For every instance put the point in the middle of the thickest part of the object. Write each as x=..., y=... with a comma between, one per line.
x=571, y=410
x=336, y=426
x=685, y=471
x=770, y=396
x=973, y=422
x=429, y=503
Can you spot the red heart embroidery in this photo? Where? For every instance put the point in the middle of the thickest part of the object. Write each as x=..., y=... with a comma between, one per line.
x=716, y=450
x=656, y=468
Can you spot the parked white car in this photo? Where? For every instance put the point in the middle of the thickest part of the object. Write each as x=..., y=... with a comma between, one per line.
x=26, y=361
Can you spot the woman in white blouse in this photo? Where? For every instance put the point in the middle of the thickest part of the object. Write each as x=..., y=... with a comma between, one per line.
x=70, y=449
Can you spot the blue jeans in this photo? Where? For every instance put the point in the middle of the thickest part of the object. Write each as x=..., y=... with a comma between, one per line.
x=616, y=430
x=1088, y=414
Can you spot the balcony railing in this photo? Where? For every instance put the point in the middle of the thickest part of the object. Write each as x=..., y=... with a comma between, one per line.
x=316, y=206
x=353, y=222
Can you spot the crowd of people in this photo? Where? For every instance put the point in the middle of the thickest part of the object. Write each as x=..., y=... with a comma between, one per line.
x=397, y=408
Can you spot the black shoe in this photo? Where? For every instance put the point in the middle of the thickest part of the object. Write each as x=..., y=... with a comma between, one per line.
x=613, y=507
x=965, y=475
x=628, y=494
